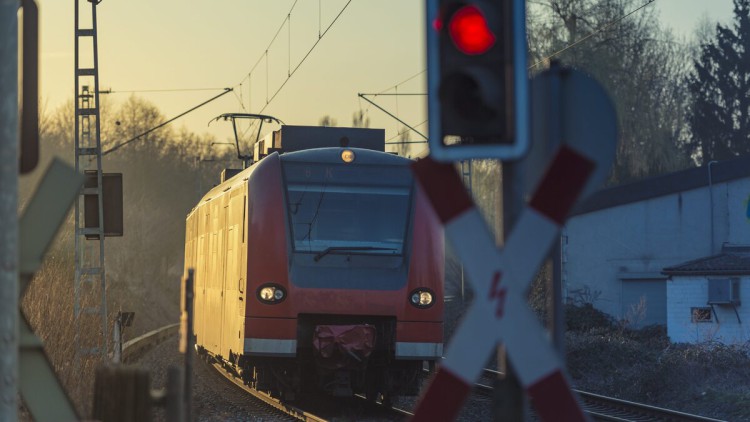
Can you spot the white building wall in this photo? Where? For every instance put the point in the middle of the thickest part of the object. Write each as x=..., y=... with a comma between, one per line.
x=642, y=238
x=684, y=293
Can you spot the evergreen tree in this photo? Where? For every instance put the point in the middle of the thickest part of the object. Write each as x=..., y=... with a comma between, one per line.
x=720, y=86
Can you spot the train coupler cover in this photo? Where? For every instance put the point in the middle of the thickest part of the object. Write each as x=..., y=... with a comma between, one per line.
x=343, y=346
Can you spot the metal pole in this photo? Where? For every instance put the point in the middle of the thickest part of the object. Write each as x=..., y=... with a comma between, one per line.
x=711, y=202
x=117, y=338
x=9, y=210
x=391, y=115
x=509, y=397
x=553, y=132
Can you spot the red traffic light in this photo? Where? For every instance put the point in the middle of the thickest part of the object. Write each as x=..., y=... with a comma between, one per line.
x=469, y=32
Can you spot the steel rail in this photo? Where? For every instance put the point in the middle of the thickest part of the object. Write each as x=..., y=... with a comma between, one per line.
x=605, y=408
x=133, y=349
x=136, y=348
x=599, y=407
x=395, y=410
x=285, y=408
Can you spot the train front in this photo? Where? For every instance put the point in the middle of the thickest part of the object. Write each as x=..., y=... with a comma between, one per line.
x=361, y=306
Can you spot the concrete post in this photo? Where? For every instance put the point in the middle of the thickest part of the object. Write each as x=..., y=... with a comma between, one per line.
x=175, y=403
x=9, y=210
x=122, y=393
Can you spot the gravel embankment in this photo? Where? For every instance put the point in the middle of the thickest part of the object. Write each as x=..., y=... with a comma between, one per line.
x=214, y=398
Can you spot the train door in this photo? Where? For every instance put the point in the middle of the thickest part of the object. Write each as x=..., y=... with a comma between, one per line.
x=213, y=294
x=242, y=282
x=230, y=333
x=191, y=242
x=201, y=274
x=221, y=273
x=225, y=254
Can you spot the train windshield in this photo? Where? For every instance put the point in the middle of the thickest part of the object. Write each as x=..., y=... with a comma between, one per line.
x=360, y=209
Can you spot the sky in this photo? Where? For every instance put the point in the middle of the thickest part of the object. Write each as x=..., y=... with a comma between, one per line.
x=195, y=48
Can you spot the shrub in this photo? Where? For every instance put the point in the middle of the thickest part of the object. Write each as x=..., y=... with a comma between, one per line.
x=585, y=318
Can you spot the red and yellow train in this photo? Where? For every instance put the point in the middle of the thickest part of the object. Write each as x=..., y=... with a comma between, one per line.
x=319, y=268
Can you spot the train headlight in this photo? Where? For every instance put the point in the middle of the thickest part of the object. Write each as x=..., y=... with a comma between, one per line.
x=347, y=156
x=271, y=293
x=421, y=298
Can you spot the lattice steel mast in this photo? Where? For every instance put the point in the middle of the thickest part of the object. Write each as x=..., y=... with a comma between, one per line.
x=90, y=282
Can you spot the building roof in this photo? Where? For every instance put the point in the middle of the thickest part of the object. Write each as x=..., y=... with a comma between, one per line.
x=667, y=184
x=733, y=260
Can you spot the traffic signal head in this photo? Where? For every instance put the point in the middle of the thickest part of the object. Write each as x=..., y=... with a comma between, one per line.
x=468, y=30
x=477, y=79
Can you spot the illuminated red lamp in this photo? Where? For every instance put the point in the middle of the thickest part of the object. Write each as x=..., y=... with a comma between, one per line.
x=469, y=32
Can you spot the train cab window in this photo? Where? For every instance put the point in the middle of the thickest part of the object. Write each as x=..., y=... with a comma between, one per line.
x=364, y=211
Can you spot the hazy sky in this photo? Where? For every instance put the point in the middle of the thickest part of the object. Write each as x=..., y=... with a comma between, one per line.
x=176, y=44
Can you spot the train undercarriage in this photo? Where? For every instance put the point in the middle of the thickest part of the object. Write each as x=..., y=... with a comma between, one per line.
x=376, y=379
x=353, y=356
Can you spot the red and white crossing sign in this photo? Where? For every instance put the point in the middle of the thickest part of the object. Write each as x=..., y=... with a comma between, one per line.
x=499, y=313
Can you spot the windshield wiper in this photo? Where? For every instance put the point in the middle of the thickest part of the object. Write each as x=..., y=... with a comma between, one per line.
x=330, y=249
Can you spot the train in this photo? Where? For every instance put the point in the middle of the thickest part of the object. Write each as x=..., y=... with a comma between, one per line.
x=319, y=267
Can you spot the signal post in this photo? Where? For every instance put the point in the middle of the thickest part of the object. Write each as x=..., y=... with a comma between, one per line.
x=478, y=107
x=8, y=211
x=481, y=105
x=476, y=79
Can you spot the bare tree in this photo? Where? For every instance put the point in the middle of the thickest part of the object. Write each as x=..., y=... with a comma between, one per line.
x=640, y=65
x=132, y=118
x=360, y=119
x=327, y=121
x=403, y=147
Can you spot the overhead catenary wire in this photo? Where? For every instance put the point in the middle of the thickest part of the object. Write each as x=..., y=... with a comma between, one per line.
x=403, y=82
x=384, y=92
x=598, y=30
x=399, y=133
x=291, y=72
x=269, y=99
x=363, y=96
x=136, y=91
x=122, y=144
x=239, y=98
x=306, y=55
x=395, y=94
x=257, y=62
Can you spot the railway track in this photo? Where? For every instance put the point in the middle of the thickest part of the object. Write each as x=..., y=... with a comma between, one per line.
x=258, y=406
x=320, y=408
x=602, y=408
x=598, y=407
x=287, y=409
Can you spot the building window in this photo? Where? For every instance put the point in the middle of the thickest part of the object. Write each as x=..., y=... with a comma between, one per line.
x=700, y=314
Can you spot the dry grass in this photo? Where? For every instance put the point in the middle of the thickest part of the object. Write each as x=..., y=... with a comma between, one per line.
x=162, y=180
x=48, y=305
x=642, y=365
